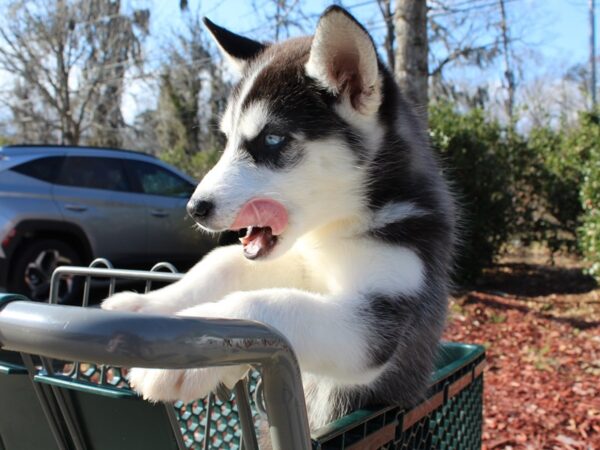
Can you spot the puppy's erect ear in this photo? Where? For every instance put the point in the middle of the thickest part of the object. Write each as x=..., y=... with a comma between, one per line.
x=239, y=50
x=344, y=61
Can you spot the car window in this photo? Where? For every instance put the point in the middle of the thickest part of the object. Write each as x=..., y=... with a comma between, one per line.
x=155, y=180
x=94, y=173
x=45, y=169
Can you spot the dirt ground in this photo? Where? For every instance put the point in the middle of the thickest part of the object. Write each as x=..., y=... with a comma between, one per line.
x=540, y=324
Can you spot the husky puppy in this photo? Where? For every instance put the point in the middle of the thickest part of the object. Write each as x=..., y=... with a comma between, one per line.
x=349, y=225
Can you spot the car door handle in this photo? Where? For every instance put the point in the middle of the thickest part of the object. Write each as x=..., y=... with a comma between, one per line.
x=159, y=213
x=75, y=207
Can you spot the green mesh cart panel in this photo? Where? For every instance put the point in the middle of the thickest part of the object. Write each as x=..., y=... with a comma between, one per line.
x=450, y=417
x=126, y=415
x=102, y=412
x=225, y=431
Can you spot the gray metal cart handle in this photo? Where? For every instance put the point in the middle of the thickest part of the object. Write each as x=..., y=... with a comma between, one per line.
x=170, y=342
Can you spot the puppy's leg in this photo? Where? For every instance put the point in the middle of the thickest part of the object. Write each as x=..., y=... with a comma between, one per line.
x=328, y=334
x=222, y=271
x=185, y=385
x=211, y=278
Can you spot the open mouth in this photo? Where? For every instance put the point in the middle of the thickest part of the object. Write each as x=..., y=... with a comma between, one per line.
x=258, y=241
x=260, y=222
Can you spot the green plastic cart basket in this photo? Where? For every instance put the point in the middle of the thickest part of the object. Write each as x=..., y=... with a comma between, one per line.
x=58, y=402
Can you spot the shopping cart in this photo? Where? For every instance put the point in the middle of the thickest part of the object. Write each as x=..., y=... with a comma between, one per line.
x=62, y=385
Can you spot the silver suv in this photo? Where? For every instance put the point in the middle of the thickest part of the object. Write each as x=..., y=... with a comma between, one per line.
x=68, y=205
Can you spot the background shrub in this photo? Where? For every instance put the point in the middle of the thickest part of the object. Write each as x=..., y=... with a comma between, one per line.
x=536, y=188
x=587, y=143
x=475, y=157
x=547, y=173
x=196, y=165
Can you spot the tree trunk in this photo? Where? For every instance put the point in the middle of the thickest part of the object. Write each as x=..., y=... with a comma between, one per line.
x=592, y=53
x=410, y=19
x=508, y=72
x=385, y=6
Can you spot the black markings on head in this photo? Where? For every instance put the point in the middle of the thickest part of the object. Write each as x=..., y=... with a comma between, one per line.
x=238, y=47
x=282, y=155
x=294, y=100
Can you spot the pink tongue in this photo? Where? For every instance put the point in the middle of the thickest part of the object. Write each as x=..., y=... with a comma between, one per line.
x=262, y=212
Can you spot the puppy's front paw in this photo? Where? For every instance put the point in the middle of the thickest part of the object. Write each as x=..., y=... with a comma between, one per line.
x=169, y=385
x=129, y=301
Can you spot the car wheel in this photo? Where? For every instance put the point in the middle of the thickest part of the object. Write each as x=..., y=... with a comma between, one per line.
x=33, y=268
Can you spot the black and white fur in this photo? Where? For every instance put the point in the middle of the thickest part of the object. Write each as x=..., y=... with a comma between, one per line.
x=358, y=281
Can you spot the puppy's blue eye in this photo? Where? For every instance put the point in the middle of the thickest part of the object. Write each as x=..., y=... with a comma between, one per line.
x=274, y=139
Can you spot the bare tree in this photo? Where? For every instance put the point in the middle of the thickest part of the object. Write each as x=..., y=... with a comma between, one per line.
x=459, y=36
x=445, y=47
x=114, y=41
x=181, y=85
x=509, y=75
x=30, y=124
x=555, y=101
x=385, y=7
x=478, y=34
x=592, y=59
x=60, y=70
x=411, y=63
x=455, y=40
x=284, y=15
x=192, y=95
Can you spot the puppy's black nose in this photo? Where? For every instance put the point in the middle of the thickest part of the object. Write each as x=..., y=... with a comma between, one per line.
x=200, y=209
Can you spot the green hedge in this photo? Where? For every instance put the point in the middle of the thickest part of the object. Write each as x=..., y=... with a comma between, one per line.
x=548, y=179
x=542, y=187
x=475, y=155
x=587, y=142
x=196, y=165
